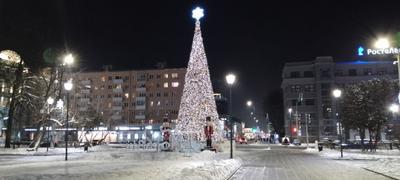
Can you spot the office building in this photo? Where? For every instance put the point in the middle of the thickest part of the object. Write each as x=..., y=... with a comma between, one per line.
x=307, y=92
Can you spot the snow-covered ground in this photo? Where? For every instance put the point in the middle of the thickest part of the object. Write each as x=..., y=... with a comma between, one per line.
x=386, y=162
x=114, y=162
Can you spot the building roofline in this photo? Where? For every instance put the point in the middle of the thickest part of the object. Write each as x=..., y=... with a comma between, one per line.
x=131, y=70
x=330, y=59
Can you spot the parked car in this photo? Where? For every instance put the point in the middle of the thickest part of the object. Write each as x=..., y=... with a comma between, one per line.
x=241, y=140
x=296, y=142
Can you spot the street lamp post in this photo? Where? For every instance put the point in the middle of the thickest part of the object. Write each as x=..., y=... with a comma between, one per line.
x=68, y=61
x=68, y=87
x=230, y=79
x=50, y=101
x=337, y=93
x=290, y=122
x=394, y=108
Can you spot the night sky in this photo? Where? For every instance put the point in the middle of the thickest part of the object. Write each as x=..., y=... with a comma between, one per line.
x=250, y=38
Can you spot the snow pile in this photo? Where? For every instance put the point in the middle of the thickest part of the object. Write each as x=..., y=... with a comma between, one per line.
x=214, y=170
x=40, y=151
x=354, y=154
x=204, y=156
x=387, y=166
x=386, y=162
x=109, y=162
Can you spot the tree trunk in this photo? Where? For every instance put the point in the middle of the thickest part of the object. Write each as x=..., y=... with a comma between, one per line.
x=13, y=103
x=362, y=137
x=38, y=139
x=377, y=137
x=370, y=139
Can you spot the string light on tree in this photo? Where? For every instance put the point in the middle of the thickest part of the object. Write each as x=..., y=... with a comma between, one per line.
x=197, y=100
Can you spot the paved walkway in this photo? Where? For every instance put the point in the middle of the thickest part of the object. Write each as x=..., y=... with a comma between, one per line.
x=283, y=163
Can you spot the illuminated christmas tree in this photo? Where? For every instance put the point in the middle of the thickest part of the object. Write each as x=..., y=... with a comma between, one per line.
x=197, y=101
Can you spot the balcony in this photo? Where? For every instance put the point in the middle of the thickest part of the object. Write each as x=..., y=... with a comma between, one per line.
x=141, y=107
x=85, y=91
x=117, y=99
x=118, y=81
x=116, y=117
x=117, y=108
x=140, y=117
x=85, y=82
x=141, y=89
x=85, y=100
x=117, y=90
x=140, y=98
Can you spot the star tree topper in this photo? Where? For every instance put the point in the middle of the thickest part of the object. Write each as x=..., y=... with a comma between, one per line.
x=198, y=13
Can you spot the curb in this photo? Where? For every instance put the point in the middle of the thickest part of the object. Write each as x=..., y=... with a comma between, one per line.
x=233, y=173
x=390, y=177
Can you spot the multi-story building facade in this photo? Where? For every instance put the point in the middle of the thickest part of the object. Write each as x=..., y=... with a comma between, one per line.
x=307, y=92
x=127, y=98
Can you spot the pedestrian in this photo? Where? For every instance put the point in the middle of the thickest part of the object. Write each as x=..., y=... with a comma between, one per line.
x=86, y=147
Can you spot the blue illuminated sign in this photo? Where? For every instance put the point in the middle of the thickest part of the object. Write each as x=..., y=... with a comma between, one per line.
x=361, y=51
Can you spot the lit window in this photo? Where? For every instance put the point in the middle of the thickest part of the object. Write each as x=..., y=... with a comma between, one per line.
x=165, y=85
x=175, y=84
x=109, y=105
x=158, y=103
x=126, y=95
x=166, y=76
x=150, y=121
x=103, y=78
x=151, y=103
x=174, y=75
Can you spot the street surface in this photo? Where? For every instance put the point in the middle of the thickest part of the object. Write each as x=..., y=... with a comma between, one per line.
x=291, y=163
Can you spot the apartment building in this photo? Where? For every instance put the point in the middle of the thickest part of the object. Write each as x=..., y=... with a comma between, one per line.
x=127, y=98
x=307, y=91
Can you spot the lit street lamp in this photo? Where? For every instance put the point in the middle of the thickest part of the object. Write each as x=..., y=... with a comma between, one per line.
x=249, y=103
x=50, y=102
x=337, y=93
x=382, y=43
x=230, y=79
x=60, y=104
x=68, y=87
x=68, y=59
x=394, y=108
